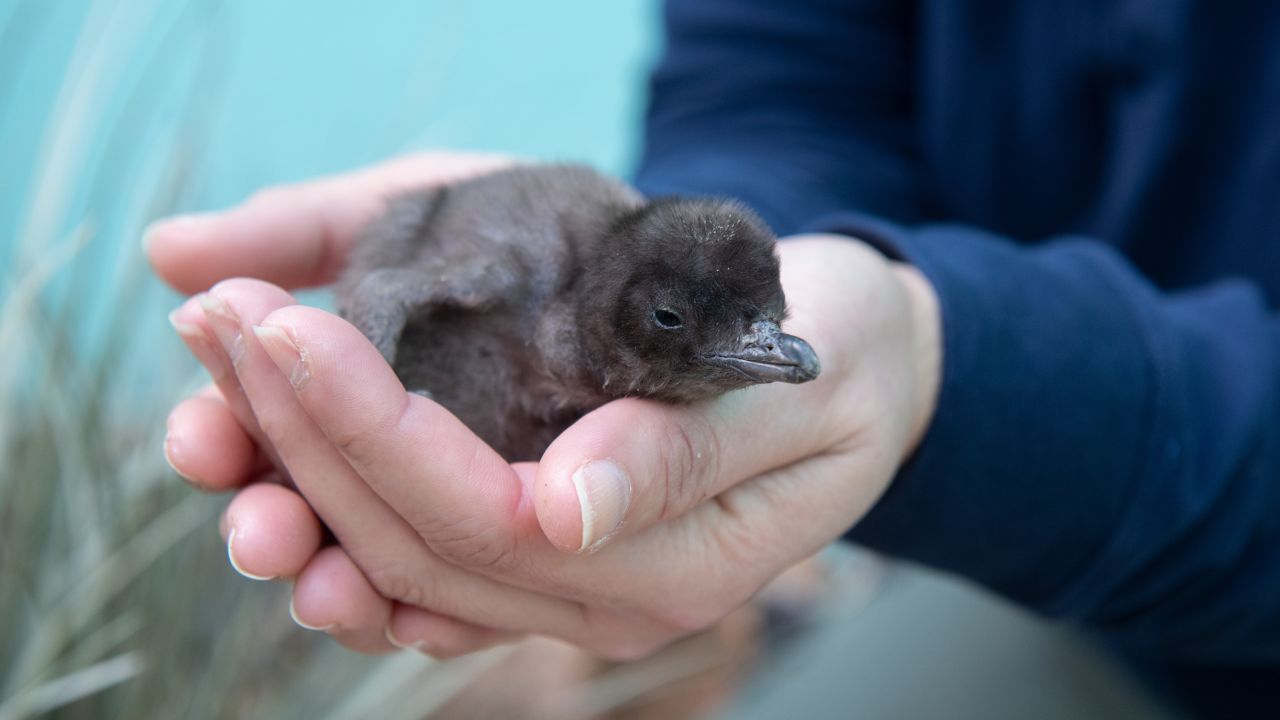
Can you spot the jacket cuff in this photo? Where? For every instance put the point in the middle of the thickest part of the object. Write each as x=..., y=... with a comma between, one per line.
x=1036, y=430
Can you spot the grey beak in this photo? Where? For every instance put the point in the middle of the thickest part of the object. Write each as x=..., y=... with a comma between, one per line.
x=766, y=354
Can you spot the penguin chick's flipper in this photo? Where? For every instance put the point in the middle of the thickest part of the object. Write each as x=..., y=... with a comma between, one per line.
x=384, y=300
x=380, y=304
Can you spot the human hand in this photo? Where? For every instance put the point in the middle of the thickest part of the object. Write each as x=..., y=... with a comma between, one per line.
x=295, y=236
x=444, y=544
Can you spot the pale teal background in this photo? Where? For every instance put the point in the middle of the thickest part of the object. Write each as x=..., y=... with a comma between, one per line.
x=284, y=89
x=114, y=112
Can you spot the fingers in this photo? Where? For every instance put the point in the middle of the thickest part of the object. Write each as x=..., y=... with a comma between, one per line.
x=270, y=531
x=192, y=325
x=634, y=463
x=440, y=637
x=469, y=505
x=332, y=595
x=207, y=446
x=321, y=474
x=472, y=509
x=393, y=556
x=449, y=490
x=455, y=491
x=294, y=235
x=333, y=407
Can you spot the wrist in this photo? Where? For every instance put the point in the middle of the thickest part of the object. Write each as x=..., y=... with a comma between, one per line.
x=925, y=319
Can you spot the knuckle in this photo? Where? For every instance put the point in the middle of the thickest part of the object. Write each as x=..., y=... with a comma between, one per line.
x=355, y=443
x=397, y=583
x=463, y=545
x=362, y=442
x=464, y=540
x=690, y=460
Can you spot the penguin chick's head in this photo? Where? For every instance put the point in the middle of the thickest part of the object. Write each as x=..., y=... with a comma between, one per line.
x=686, y=303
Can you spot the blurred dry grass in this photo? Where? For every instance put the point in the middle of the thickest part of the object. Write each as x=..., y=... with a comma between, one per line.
x=115, y=600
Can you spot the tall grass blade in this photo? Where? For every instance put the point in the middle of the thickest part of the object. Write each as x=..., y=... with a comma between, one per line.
x=70, y=688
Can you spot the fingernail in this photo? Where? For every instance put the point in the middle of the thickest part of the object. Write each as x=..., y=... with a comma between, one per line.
x=284, y=353
x=418, y=646
x=201, y=346
x=231, y=556
x=170, y=456
x=293, y=613
x=225, y=324
x=604, y=492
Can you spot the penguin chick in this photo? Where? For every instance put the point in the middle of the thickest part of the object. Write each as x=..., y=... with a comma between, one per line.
x=523, y=299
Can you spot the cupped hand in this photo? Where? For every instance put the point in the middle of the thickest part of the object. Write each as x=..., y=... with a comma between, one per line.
x=641, y=523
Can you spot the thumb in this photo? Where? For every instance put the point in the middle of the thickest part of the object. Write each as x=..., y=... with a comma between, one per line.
x=634, y=463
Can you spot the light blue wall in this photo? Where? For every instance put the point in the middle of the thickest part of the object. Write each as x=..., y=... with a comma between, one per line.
x=340, y=83
x=280, y=89
x=113, y=112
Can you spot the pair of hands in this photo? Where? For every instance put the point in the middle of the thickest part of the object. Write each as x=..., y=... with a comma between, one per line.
x=445, y=548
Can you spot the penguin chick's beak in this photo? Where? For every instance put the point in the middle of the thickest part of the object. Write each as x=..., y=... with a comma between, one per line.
x=766, y=354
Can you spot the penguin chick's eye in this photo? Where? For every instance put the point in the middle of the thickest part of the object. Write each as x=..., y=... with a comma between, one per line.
x=666, y=319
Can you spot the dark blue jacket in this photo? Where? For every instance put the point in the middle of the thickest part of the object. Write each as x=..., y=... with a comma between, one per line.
x=1094, y=191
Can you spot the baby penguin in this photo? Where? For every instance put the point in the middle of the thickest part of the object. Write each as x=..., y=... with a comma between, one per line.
x=523, y=299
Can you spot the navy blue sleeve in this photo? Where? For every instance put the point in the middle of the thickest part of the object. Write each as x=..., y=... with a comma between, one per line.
x=800, y=107
x=1102, y=451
